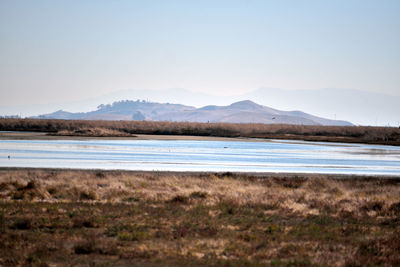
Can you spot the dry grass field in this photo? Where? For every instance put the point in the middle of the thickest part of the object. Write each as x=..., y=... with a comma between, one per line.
x=121, y=218
x=350, y=134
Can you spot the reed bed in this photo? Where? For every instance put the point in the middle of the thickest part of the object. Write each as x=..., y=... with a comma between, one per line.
x=352, y=134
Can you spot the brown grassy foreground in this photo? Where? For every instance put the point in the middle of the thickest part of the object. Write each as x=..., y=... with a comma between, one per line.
x=351, y=134
x=114, y=218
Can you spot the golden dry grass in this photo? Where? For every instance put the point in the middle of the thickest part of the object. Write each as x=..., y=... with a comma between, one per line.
x=95, y=131
x=148, y=218
x=305, y=195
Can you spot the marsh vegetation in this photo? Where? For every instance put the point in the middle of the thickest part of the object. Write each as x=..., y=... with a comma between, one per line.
x=352, y=134
x=147, y=218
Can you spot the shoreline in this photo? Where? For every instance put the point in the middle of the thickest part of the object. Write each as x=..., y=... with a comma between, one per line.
x=20, y=135
x=28, y=135
x=251, y=175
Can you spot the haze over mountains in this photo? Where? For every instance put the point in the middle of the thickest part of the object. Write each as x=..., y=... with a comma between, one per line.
x=359, y=107
x=238, y=112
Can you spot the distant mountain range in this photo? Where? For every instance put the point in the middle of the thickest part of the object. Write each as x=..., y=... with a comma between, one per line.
x=238, y=112
x=359, y=107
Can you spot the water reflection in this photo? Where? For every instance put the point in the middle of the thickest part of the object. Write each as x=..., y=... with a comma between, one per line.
x=187, y=155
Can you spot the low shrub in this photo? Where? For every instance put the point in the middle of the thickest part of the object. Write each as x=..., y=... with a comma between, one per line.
x=22, y=224
x=179, y=199
x=85, y=247
x=199, y=194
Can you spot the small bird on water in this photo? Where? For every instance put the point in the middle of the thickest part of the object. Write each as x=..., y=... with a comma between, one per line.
x=9, y=157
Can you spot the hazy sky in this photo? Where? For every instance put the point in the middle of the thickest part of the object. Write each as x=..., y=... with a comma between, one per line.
x=69, y=50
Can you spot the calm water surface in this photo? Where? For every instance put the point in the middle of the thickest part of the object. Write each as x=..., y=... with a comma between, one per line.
x=184, y=155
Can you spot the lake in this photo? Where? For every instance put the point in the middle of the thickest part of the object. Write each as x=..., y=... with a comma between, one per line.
x=189, y=155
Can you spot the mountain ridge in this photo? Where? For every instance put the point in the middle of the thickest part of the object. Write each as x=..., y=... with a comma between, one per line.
x=245, y=111
x=358, y=106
